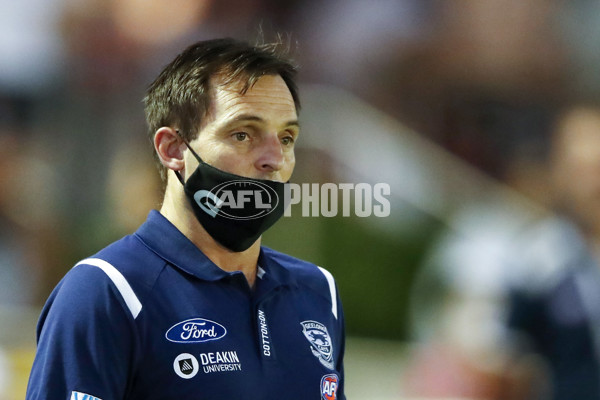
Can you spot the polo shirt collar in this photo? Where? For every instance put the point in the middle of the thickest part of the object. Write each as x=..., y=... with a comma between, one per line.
x=162, y=237
x=275, y=273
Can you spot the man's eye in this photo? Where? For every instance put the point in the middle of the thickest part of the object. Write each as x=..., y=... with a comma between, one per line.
x=287, y=140
x=240, y=136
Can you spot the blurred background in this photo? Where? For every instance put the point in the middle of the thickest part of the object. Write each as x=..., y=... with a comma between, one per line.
x=453, y=103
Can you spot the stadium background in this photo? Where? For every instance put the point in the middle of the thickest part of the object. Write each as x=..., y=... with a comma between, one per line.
x=448, y=101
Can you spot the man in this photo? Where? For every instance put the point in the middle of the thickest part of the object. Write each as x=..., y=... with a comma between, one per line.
x=555, y=302
x=191, y=306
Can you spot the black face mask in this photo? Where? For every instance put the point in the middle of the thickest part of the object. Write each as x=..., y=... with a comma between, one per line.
x=233, y=209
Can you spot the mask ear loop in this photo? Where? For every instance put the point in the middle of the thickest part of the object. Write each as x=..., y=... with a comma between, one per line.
x=193, y=152
x=189, y=147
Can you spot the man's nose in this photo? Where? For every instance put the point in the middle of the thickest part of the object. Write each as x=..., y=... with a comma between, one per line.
x=271, y=157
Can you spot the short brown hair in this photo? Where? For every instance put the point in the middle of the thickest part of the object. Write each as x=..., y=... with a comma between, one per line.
x=179, y=96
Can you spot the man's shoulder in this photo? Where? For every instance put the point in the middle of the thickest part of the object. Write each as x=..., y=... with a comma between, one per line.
x=292, y=264
x=305, y=273
x=127, y=259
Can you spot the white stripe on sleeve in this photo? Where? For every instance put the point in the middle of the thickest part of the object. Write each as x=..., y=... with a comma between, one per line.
x=120, y=282
x=332, y=291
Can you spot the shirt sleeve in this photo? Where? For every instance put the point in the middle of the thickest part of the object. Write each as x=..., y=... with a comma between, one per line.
x=339, y=331
x=86, y=340
x=340, y=360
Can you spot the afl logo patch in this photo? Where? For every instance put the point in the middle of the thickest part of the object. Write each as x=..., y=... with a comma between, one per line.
x=317, y=335
x=329, y=387
x=195, y=330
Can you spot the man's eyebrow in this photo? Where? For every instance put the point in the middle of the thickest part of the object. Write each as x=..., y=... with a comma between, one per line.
x=256, y=118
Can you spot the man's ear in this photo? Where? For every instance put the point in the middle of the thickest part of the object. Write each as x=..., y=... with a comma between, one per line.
x=169, y=146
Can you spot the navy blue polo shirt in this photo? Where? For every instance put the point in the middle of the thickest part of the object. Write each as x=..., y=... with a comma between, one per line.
x=556, y=304
x=151, y=317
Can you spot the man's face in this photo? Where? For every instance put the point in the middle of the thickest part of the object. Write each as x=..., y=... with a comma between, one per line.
x=251, y=135
x=577, y=167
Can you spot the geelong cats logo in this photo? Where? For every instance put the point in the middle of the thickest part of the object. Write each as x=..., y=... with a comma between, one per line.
x=320, y=342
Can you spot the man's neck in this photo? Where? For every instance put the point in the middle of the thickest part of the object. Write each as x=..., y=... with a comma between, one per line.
x=180, y=215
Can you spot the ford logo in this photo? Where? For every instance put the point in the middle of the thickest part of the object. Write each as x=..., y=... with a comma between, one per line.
x=195, y=330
